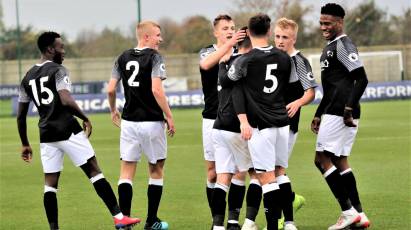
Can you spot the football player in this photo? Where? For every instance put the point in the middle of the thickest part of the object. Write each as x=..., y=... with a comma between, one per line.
x=336, y=120
x=300, y=92
x=262, y=76
x=145, y=115
x=48, y=85
x=226, y=38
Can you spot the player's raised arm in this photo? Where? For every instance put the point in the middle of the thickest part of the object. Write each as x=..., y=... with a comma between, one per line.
x=207, y=61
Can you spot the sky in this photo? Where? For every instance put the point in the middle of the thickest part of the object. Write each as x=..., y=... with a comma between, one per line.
x=73, y=16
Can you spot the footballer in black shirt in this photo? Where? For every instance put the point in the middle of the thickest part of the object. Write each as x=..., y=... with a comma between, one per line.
x=231, y=154
x=262, y=76
x=226, y=38
x=300, y=92
x=142, y=71
x=336, y=120
x=48, y=85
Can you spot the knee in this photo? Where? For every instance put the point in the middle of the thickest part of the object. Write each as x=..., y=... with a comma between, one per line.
x=212, y=175
x=319, y=164
x=279, y=171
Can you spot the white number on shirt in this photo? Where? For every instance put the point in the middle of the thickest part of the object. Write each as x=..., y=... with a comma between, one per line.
x=269, y=76
x=133, y=76
x=43, y=89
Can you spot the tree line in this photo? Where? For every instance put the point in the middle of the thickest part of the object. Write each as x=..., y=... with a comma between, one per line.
x=367, y=25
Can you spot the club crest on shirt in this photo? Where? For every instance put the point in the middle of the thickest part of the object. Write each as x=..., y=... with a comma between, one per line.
x=330, y=53
x=66, y=79
x=353, y=57
x=310, y=76
x=324, y=64
x=162, y=67
x=231, y=71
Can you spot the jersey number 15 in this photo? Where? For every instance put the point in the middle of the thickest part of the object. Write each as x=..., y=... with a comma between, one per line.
x=43, y=89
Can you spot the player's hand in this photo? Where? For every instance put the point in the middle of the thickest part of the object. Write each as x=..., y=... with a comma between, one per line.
x=238, y=36
x=293, y=107
x=246, y=131
x=348, y=119
x=171, y=130
x=26, y=153
x=116, y=118
x=87, y=128
x=315, y=125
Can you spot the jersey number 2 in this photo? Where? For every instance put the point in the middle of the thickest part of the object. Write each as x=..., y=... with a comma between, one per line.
x=133, y=76
x=269, y=76
x=43, y=89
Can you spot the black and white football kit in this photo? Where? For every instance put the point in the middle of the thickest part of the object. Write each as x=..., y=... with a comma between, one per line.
x=341, y=67
x=209, y=79
x=299, y=83
x=59, y=130
x=231, y=151
x=142, y=125
x=263, y=75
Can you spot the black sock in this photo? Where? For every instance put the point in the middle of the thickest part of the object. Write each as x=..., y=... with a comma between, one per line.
x=105, y=192
x=218, y=205
x=272, y=208
x=50, y=205
x=125, y=196
x=154, y=193
x=351, y=187
x=287, y=201
x=209, y=192
x=253, y=197
x=334, y=181
x=235, y=201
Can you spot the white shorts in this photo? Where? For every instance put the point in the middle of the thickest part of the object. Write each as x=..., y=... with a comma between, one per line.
x=266, y=146
x=334, y=136
x=77, y=147
x=208, y=146
x=231, y=152
x=282, y=159
x=148, y=137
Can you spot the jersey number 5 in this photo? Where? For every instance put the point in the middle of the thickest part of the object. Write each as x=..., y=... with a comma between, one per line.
x=43, y=89
x=270, y=77
x=133, y=76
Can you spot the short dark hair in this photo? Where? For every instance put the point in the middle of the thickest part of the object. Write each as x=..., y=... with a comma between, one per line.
x=246, y=43
x=259, y=25
x=46, y=39
x=333, y=9
x=221, y=17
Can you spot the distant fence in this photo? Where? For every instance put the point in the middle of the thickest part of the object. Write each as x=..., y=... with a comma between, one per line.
x=185, y=66
x=98, y=103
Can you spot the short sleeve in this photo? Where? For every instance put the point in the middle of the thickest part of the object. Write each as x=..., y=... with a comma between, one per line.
x=115, y=72
x=23, y=96
x=62, y=79
x=204, y=52
x=159, y=67
x=347, y=54
x=238, y=69
x=304, y=73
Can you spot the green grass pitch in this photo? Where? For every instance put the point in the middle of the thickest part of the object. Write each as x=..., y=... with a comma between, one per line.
x=381, y=160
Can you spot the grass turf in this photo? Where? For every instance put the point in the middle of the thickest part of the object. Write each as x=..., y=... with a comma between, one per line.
x=381, y=160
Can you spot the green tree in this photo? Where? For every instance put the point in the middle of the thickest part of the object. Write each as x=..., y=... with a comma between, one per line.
x=107, y=43
x=401, y=26
x=367, y=25
x=170, y=31
x=196, y=33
